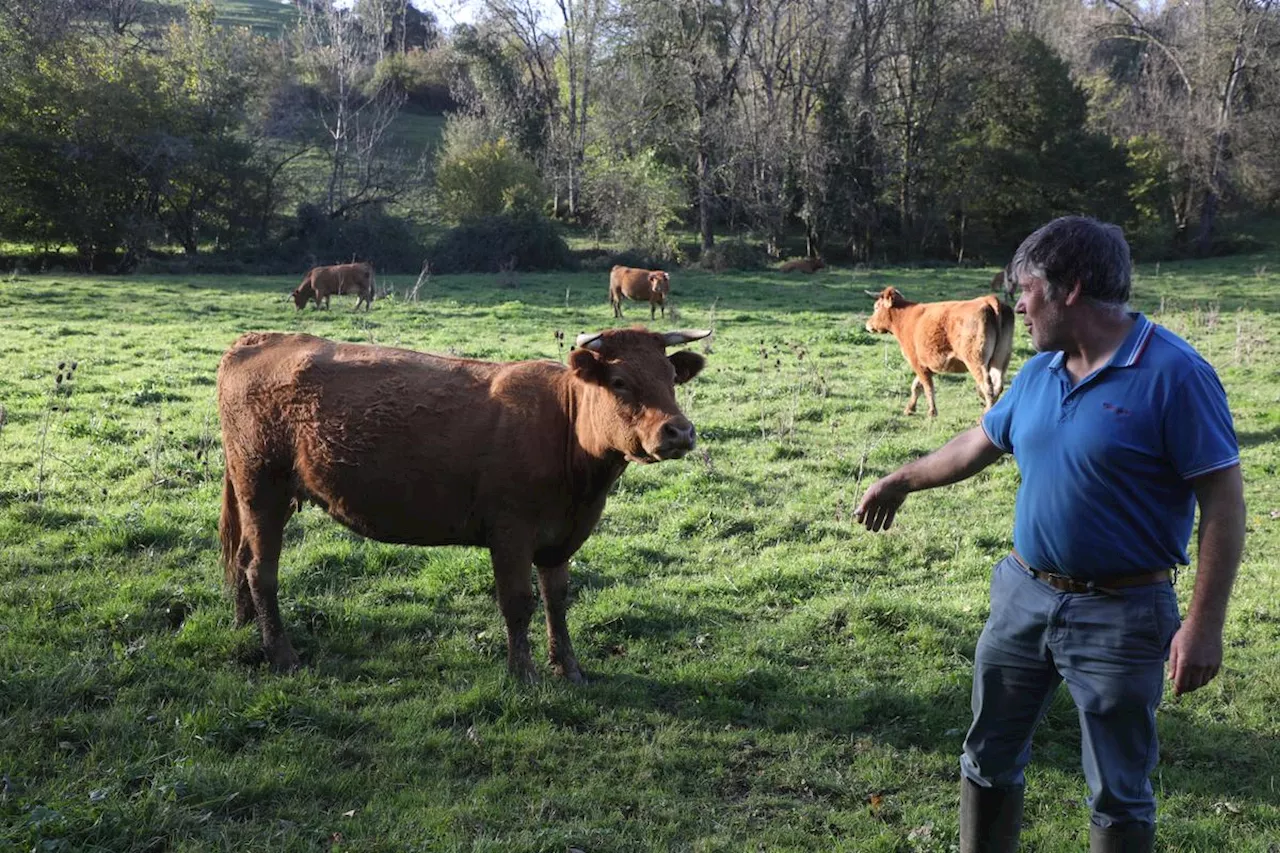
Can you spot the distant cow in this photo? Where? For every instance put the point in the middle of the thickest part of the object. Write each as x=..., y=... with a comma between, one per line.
x=948, y=337
x=1003, y=282
x=420, y=449
x=322, y=282
x=650, y=286
x=806, y=265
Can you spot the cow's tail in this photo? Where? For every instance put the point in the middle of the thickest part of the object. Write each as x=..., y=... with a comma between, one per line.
x=1004, y=341
x=229, y=530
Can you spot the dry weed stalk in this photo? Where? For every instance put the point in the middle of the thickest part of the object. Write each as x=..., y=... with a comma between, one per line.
x=55, y=403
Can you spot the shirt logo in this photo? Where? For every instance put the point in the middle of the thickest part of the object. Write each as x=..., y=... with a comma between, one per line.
x=1118, y=411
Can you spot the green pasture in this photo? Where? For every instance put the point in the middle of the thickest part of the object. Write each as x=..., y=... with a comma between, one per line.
x=764, y=675
x=272, y=18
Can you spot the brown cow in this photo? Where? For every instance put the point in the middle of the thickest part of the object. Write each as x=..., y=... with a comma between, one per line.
x=805, y=265
x=322, y=282
x=1003, y=282
x=420, y=449
x=650, y=286
x=948, y=337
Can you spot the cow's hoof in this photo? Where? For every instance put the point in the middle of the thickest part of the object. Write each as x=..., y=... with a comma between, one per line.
x=524, y=674
x=285, y=663
x=572, y=674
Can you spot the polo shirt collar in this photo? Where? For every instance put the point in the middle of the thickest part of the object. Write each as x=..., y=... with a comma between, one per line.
x=1135, y=343
x=1130, y=352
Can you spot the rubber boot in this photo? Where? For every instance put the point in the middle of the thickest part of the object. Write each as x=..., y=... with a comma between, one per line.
x=1122, y=838
x=990, y=818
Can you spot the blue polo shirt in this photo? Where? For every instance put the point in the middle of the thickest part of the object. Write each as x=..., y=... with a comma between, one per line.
x=1107, y=463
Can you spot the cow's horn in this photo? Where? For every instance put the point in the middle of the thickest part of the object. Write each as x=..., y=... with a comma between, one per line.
x=683, y=336
x=589, y=340
x=872, y=294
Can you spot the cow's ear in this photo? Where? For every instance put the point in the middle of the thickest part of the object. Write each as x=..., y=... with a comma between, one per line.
x=687, y=365
x=588, y=367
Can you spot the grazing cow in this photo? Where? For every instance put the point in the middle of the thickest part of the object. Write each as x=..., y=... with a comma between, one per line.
x=948, y=337
x=805, y=265
x=420, y=449
x=650, y=286
x=322, y=282
x=1004, y=283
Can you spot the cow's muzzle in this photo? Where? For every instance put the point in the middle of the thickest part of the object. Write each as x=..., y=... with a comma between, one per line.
x=676, y=438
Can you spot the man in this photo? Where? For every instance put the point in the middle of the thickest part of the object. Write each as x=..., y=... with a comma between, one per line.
x=1119, y=429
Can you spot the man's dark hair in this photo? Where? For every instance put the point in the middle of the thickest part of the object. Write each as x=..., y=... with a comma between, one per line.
x=1077, y=248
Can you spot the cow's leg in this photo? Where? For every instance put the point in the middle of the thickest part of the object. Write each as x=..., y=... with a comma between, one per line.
x=663, y=306
x=997, y=383
x=924, y=380
x=915, y=395
x=983, y=379
x=653, y=307
x=554, y=582
x=512, y=567
x=245, y=612
x=262, y=518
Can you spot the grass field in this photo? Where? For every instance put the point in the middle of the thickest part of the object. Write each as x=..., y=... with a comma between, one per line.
x=764, y=674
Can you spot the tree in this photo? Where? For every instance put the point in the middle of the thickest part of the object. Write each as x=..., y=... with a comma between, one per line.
x=337, y=56
x=1198, y=82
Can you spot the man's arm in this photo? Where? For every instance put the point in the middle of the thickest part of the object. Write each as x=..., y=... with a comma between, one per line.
x=958, y=459
x=1196, y=653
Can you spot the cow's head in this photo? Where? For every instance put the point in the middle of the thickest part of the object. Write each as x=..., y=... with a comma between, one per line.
x=886, y=300
x=660, y=282
x=817, y=264
x=303, y=292
x=631, y=391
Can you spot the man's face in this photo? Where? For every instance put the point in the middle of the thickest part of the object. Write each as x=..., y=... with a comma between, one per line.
x=1042, y=315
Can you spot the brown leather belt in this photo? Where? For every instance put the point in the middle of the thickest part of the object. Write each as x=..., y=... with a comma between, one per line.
x=1067, y=584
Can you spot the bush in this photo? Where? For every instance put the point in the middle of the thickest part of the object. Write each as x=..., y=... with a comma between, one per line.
x=486, y=179
x=484, y=245
x=422, y=76
x=638, y=198
x=388, y=242
x=735, y=254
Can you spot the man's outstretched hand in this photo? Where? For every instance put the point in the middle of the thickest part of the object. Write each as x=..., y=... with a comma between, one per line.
x=880, y=504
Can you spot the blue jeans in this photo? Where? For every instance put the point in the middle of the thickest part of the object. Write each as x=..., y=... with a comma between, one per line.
x=1110, y=649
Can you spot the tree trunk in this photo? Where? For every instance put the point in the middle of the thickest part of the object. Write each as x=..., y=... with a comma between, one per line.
x=705, y=226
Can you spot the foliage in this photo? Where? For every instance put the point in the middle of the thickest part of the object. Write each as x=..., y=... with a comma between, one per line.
x=733, y=254
x=524, y=241
x=422, y=76
x=638, y=198
x=764, y=673
x=111, y=150
x=1023, y=153
x=368, y=234
x=488, y=179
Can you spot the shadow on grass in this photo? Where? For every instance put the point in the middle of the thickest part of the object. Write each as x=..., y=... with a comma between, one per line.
x=1259, y=438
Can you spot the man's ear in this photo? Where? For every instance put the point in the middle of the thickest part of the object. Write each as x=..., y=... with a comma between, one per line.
x=687, y=365
x=1075, y=294
x=587, y=366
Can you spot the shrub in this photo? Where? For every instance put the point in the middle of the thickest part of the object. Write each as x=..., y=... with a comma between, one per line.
x=734, y=254
x=422, y=76
x=484, y=179
x=485, y=245
x=638, y=198
x=372, y=234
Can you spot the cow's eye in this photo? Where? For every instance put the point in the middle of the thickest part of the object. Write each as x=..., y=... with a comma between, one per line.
x=617, y=383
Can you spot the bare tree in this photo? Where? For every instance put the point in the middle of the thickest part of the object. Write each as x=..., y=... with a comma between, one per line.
x=339, y=55
x=1197, y=62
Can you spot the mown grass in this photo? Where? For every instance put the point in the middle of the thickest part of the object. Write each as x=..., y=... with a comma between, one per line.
x=764, y=674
